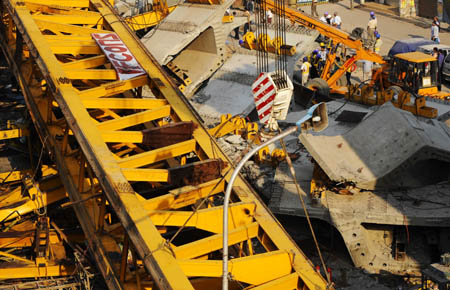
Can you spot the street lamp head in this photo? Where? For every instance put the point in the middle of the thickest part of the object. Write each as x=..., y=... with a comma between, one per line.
x=316, y=119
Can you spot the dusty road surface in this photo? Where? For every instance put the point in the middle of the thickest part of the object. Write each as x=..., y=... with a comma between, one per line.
x=390, y=27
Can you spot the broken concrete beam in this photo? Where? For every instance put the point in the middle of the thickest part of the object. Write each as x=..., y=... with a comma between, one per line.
x=192, y=38
x=389, y=149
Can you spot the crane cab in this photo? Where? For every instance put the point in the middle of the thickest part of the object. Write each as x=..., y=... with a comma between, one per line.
x=415, y=72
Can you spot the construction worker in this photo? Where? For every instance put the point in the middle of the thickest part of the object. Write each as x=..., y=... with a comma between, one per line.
x=314, y=61
x=371, y=28
x=314, y=8
x=378, y=43
x=306, y=66
x=323, y=53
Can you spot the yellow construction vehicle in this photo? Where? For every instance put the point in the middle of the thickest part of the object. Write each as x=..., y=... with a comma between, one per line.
x=382, y=78
x=415, y=72
x=329, y=81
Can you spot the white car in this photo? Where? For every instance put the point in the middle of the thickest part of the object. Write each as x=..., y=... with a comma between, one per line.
x=428, y=49
x=446, y=68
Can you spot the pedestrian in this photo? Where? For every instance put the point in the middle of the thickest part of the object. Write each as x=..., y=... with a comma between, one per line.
x=336, y=21
x=378, y=43
x=269, y=16
x=436, y=21
x=435, y=52
x=435, y=33
x=329, y=18
x=236, y=30
x=314, y=8
x=247, y=24
x=305, y=70
x=348, y=73
x=371, y=28
x=250, y=6
x=440, y=58
x=324, y=17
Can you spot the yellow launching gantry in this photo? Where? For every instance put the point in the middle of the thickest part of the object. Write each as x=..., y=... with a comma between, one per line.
x=139, y=155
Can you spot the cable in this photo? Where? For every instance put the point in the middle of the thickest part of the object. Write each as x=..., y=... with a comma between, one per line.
x=294, y=178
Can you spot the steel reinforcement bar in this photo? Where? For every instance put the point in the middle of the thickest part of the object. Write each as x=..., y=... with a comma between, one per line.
x=144, y=176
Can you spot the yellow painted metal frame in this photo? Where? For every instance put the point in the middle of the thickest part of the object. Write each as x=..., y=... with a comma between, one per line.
x=81, y=86
x=13, y=133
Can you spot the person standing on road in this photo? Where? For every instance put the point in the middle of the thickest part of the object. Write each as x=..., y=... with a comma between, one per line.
x=269, y=16
x=436, y=21
x=371, y=28
x=378, y=43
x=305, y=70
x=247, y=24
x=440, y=58
x=250, y=6
x=435, y=52
x=236, y=30
x=336, y=21
x=314, y=8
x=435, y=33
x=324, y=17
x=329, y=18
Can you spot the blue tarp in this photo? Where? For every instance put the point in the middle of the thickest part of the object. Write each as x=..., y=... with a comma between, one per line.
x=408, y=45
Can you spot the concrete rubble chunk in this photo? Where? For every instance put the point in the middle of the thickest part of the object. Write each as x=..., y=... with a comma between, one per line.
x=389, y=149
x=192, y=39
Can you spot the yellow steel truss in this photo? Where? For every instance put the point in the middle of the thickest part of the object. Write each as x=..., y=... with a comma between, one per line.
x=130, y=159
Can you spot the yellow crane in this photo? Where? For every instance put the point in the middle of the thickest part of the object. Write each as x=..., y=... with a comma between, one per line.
x=147, y=163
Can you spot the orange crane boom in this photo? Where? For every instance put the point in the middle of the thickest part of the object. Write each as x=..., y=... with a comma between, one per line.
x=338, y=36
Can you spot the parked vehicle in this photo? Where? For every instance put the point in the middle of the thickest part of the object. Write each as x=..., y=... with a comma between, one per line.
x=428, y=49
x=409, y=45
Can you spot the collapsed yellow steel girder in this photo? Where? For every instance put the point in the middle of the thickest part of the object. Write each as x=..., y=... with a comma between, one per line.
x=114, y=148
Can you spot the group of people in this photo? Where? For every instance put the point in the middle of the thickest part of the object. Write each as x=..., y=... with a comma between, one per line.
x=313, y=65
x=249, y=7
x=440, y=56
x=334, y=20
x=374, y=37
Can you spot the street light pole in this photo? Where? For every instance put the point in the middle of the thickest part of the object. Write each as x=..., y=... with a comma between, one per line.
x=317, y=119
x=226, y=201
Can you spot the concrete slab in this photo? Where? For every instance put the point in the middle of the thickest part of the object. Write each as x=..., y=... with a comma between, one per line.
x=389, y=149
x=229, y=89
x=191, y=40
